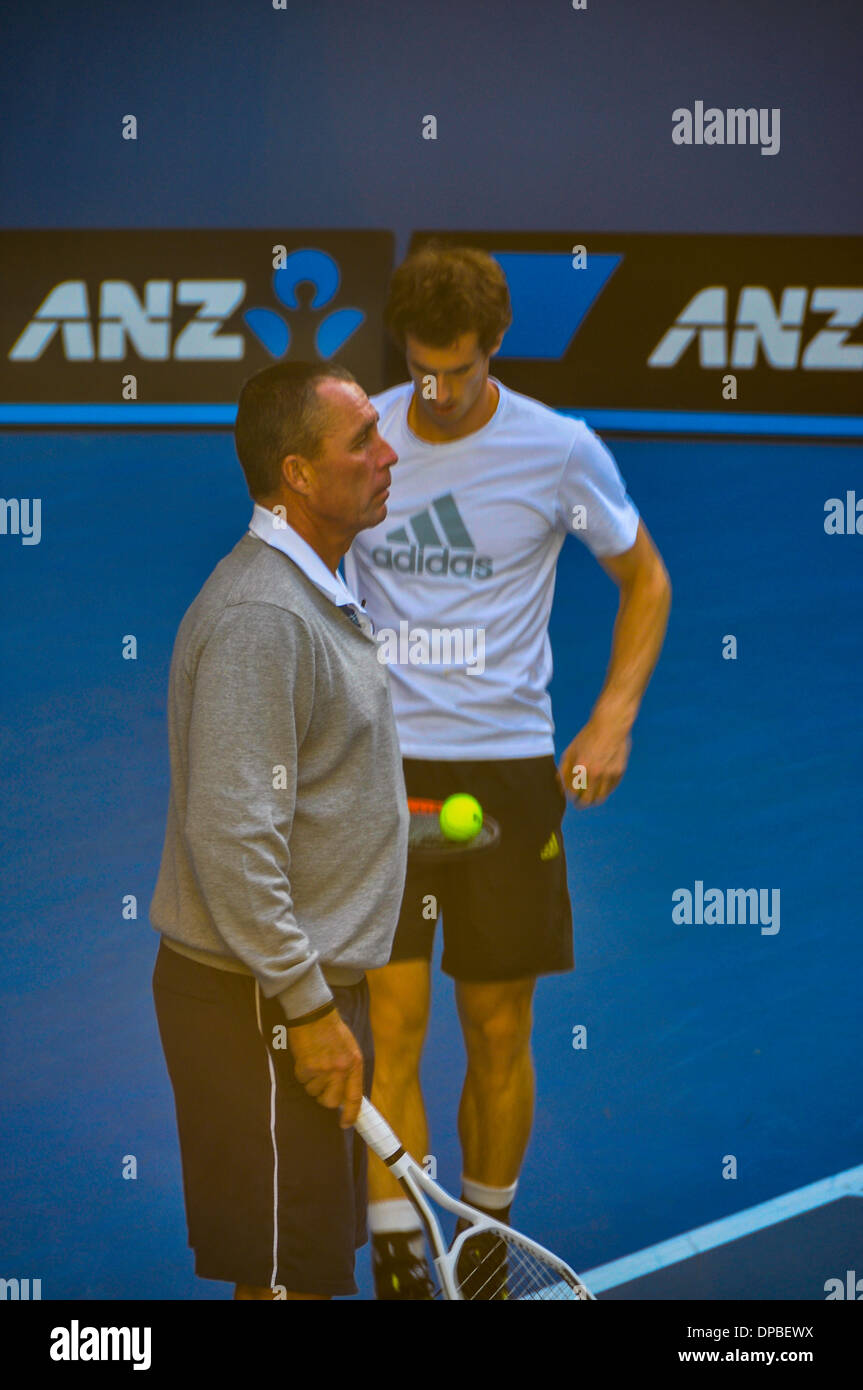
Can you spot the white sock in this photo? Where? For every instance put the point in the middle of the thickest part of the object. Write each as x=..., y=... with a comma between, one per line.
x=394, y=1214
x=487, y=1198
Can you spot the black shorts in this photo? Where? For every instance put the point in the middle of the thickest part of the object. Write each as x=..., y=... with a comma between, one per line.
x=506, y=914
x=275, y=1190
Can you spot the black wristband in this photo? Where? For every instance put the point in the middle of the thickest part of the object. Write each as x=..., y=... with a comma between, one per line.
x=312, y=1017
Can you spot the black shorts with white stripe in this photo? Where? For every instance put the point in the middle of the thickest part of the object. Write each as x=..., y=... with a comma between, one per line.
x=275, y=1190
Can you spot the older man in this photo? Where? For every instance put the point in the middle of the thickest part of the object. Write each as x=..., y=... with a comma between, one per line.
x=284, y=855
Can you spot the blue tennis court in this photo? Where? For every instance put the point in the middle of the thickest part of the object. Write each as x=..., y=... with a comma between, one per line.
x=705, y=1043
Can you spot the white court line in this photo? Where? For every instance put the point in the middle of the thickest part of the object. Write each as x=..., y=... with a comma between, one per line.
x=557, y=1292
x=741, y=1223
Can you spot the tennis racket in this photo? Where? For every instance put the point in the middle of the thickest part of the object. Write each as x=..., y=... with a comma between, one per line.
x=488, y=1261
x=427, y=842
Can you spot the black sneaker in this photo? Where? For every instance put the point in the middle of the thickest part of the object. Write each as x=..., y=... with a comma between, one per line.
x=481, y=1269
x=398, y=1271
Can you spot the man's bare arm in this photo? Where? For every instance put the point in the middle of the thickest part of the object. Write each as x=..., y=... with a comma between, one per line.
x=602, y=747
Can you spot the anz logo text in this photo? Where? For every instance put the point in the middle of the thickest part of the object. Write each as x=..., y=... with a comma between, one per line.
x=145, y=321
x=760, y=326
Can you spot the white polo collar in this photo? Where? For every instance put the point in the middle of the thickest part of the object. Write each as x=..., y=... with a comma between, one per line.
x=281, y=536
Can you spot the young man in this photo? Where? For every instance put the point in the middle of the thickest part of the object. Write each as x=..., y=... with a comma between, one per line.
x=489, y=484
x=284, y=853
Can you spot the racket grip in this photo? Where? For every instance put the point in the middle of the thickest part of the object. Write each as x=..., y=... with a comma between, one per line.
x=373, y=1128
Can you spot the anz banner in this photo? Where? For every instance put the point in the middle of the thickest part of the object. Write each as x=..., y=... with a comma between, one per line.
x=721, y=325
x=740, y=334
x=189, y=314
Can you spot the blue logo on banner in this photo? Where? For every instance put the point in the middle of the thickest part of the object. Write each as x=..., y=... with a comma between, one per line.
x=550, y=300
x=321, y=271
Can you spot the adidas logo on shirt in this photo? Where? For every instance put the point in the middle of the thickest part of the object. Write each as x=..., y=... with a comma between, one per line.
x=434, y=541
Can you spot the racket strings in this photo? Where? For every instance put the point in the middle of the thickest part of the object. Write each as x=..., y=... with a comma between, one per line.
x=425, y=838
x=492, y=1266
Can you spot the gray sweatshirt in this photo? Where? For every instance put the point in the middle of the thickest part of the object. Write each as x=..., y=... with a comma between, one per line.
x=286, y=839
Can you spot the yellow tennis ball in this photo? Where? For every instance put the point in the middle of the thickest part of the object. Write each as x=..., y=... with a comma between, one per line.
x=461, y=817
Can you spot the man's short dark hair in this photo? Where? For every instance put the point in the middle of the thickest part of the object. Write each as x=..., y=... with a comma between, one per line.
x=441, y=292
x=279, y=413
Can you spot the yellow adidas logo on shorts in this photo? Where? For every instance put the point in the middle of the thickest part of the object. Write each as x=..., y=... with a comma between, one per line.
x=551, y=848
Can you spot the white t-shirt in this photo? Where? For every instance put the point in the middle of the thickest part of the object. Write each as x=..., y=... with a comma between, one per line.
x=459, y=578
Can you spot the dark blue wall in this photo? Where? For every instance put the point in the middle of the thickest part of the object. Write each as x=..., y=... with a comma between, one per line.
x=548, y=117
